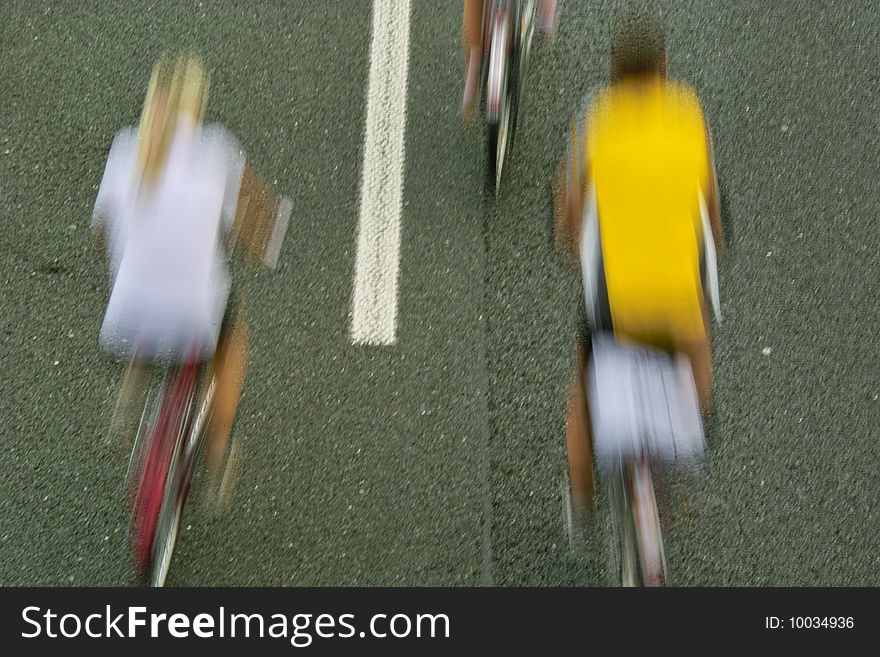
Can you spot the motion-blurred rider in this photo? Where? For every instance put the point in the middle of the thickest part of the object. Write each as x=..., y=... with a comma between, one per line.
x=174, y=197
x=638, y=208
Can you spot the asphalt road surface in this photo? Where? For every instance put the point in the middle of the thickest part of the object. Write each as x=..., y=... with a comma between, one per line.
x=435, y=460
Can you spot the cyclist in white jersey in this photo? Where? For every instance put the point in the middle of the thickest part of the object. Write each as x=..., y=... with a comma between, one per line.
x=174, y=194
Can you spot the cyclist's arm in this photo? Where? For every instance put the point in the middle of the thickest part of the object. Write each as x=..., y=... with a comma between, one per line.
x=260, y=220
x=713, y=199
x=118, y=162
x=570, y=197
x=565, y=203
x=99, y=237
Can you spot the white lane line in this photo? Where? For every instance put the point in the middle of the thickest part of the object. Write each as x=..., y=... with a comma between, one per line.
x=374, y=314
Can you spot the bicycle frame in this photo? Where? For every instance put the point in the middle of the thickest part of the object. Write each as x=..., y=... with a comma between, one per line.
x=167, y=440
x=187, y=451
x=498, y=20
x=508, y=27
x=638, y=553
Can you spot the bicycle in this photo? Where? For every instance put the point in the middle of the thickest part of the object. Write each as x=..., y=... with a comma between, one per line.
x=167, y=444
x=508, y=30
x=645, y=416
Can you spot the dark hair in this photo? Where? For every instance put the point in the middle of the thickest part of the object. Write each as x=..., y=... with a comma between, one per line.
x=638, y=46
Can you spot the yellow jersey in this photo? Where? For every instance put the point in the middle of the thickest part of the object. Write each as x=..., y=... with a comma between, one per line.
x=649, y=166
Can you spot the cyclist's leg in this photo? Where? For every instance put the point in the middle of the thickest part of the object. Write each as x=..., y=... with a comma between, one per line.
x=699, y=353
x=578, y=439
x=130, y=396
x=229, y=367
x=548, y=12
x=595, y=316
x=472, y=40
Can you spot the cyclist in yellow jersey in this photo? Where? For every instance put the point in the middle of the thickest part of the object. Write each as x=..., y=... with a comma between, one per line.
x=637, y=207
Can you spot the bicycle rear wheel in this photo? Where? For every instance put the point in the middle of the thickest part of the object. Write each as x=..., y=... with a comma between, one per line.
x=182, y=465
x=498, y=97
x=167, y=528
x=151, y=488
x=164, y=439
x=638, y=554
x=523, y=34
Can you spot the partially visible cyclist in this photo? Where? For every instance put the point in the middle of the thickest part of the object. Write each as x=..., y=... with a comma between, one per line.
x=637, y=200
x=472, y=43
x=173, y=196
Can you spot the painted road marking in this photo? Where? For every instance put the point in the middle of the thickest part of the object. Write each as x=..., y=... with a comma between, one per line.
x=374, y=313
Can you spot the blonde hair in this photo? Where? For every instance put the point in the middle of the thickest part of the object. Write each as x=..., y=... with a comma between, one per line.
x=178, y=85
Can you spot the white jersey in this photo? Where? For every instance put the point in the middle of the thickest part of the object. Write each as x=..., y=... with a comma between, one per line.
x=170, y=281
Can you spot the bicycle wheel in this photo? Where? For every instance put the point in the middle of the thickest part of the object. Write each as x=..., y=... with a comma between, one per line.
x=646, y=522
x=164, y=444
x=168, y=524
x=624, y=570
x=523, y=35
x=181, y=466
x=637, y=553
x=151, y=486
x=498, y=97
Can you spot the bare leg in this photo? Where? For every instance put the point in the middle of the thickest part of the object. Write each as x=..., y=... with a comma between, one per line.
x=577, y=429
x=699, y=353
x=130, y=397
x=230, y=365
x=472, y=41
x=547, y=15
